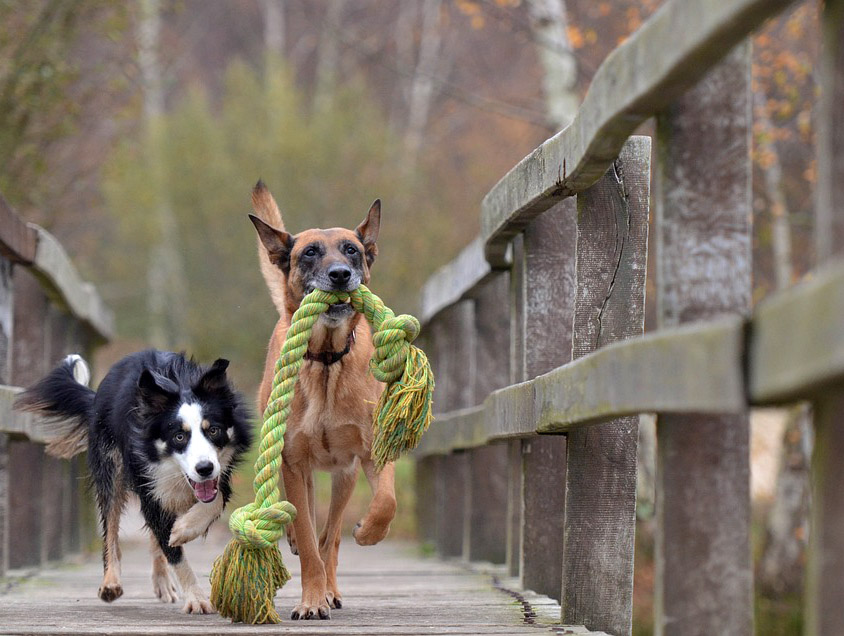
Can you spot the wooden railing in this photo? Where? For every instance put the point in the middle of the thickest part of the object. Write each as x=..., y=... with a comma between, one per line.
x=46, y=312
x=536, y=336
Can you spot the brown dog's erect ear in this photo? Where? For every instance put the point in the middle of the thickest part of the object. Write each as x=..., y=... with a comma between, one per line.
x=367, y=231
x=278, y=243
x=265, y=206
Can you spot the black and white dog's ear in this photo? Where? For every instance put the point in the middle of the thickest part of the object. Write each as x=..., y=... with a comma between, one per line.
x=214, y=379
x=157, y=390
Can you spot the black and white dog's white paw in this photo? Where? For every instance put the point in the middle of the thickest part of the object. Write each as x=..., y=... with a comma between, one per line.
x=196, y=603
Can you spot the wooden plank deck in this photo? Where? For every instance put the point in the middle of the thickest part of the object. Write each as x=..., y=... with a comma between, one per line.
x=388, y=589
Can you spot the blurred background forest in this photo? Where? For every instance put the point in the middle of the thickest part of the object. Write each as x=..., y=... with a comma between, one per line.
x=134, y=131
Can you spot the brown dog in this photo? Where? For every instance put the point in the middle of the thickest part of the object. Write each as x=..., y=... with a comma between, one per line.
x=330, y=423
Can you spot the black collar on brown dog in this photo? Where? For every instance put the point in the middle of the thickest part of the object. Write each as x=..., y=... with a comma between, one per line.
x=330, y=357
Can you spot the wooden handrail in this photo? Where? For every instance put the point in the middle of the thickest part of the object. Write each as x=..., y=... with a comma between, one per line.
x=668, y=54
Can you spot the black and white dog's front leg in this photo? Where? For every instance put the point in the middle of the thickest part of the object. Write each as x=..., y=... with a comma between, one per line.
x=161, y=523
x=195, y=522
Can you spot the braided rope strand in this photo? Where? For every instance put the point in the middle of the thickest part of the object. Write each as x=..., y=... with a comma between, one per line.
x=245, y=578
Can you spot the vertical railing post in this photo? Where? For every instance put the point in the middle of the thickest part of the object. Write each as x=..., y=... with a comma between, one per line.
x=703, y=203
x=824, y=581
x=547, y=273
x=454, y=347
x=6, y=322
x=515, y=485
x=600, y=517
x=30, y=361
x=425, y=468
x=485, y=533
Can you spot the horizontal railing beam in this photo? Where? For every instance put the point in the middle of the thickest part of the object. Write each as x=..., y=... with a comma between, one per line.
x=16, y=423
x=63, y=285
x=674, y=49
x=796, y=343
x=791, y=349
x=453, y=281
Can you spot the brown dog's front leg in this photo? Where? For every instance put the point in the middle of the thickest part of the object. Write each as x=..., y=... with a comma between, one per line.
x=313, y=603
x=342, y=486
x=376, y=524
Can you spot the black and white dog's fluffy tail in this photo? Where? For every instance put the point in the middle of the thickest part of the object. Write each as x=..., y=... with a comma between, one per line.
x=62, y=396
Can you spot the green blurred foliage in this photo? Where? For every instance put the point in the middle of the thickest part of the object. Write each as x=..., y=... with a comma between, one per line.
x=324, y=168
x=35, y=74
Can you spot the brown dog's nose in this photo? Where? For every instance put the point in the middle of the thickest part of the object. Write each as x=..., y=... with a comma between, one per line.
x=339, y=275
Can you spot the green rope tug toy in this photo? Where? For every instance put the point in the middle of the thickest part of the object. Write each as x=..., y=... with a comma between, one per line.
x=244, y=580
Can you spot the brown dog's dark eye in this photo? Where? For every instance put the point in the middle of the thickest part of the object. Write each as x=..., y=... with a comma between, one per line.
x=309, y=252
x=351, y=250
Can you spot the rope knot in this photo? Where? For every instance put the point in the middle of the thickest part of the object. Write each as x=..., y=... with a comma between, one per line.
x=392, y=346
x=261, y=527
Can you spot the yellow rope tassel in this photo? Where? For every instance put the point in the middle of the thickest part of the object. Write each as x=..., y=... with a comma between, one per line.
x=246, y=577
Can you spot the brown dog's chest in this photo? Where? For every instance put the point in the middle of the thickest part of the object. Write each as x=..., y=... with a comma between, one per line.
x=331, y=417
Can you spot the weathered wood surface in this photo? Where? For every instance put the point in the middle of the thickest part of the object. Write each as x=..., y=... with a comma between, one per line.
x=665, y=57
x=18, y=240
x=6, y=322
x=824, y=582
x=796, y=340
x=453, y=336
x=704, y=577
x=386, y=590
x=65, y=287
x=451, y=282
x=548, y=272
x=485, y=532
x=515, y=478
x=692, y=369
x=600, y=503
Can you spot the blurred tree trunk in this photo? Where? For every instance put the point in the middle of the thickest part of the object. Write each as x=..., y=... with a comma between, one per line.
x=549, y=22
x=772, y=173
x=786, y=535
x=166, y=286
x=403, y=38
x=328, y=55
x=422, y=85
x=783, y=560
x=273, y=12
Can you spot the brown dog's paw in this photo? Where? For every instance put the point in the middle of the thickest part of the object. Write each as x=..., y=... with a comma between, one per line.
x=334, y=600
x=306, y=610
x=110, y=592
x=366, y=533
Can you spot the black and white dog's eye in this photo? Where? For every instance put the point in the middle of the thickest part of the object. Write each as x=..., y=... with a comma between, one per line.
x=214, y=432
x=180, y=438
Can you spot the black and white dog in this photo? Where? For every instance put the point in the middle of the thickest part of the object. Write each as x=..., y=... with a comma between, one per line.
x=163, y=427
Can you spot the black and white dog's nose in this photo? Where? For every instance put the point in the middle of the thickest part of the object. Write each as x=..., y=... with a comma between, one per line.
x=204, y=468
x=339, y=274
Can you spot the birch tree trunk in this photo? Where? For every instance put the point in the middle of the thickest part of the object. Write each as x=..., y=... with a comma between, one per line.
x=549, y=22
x=405, y=49
x=328, y=55
x=273, y=12
x=787, y=528
x=166, y=286
x=772, y=173
x=422, y=85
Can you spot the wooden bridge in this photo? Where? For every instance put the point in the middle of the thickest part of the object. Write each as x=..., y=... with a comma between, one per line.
x=543, y=369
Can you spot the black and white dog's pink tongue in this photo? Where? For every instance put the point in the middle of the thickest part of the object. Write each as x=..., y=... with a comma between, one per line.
x=205, y=491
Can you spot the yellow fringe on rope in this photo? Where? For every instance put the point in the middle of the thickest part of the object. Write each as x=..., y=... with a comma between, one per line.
x=245, y=579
